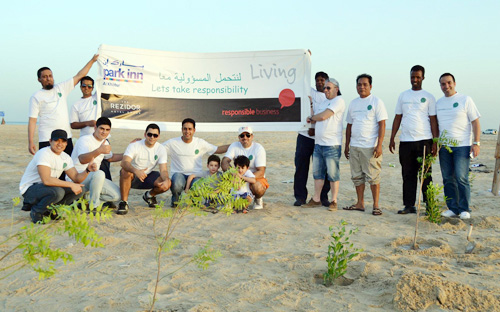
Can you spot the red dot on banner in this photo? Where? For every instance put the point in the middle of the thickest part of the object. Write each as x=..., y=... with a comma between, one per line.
x=286, y=98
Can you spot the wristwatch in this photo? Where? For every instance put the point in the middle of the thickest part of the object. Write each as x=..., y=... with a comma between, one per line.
x=87, y=169
x=477, y=143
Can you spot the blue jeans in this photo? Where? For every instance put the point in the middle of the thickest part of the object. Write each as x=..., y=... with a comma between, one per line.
x=455, y=171
x=303, y=152
x=40, y=197
x=178, y=185
x=326, y=161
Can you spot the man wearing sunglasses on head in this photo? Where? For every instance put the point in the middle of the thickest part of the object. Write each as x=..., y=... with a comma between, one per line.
x=138, y=162
x=51, y=106
x=257, y=156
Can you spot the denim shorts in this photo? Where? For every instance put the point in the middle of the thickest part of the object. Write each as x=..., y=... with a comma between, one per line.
x=326, y=161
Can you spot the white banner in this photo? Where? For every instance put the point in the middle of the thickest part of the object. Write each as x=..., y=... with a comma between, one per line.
x=220, y=91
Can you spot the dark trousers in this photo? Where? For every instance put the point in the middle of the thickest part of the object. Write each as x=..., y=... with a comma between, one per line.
x=408, y=158
x=39, y=197
x=303, y=153
x=68, y=150
x=106, y=167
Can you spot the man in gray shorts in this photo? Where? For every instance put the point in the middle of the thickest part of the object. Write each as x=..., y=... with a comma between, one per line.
x=365, y=131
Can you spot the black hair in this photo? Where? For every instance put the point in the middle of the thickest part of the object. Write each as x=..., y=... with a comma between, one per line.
x=321, y=74
x=39, y=72
x=364, y=76
x=242, y=161
x=213, y=158
x=153, y=126
x=418, y=68
x=87, y=78
x=447, y=74
x=103, y=121
x=189, y=120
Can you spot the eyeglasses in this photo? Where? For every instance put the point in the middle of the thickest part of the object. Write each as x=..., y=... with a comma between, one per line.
x=154, y=135
x=245, y=134
x=87, y=86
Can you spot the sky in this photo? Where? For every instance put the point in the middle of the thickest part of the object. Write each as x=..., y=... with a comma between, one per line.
x=346, y=38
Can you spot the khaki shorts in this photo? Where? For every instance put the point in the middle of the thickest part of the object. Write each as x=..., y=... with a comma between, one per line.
x=364, y=166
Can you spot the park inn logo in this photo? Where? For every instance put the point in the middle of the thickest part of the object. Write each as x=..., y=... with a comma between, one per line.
x=422, y=100
x=95, y=102
x=369, y=107
x=156, y=157
x=59, y=93
x=65, y=165
x=196, y=152
x=250, y=157
x=455, y=104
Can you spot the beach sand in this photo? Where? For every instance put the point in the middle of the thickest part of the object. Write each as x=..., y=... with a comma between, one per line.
x=272, y=259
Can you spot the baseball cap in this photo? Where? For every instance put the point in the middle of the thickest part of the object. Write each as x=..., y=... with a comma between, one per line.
x=245, y=129
x=334, y=81
x=58, y=134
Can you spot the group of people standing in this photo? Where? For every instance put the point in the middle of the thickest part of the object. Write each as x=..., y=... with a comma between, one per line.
x=60, y=174
x=422, y=121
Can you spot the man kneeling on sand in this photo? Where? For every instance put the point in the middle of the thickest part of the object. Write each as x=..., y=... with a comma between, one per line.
x=40, y=185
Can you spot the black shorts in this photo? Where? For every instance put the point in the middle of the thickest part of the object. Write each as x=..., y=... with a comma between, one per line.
x=148, y=183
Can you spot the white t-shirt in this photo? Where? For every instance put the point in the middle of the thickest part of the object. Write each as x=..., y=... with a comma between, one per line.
x=187, y=158
x=256, y=153
x=44, y=157
x=455, y=114
x=329, y=131
x=317, y=98
x=364, y=114
x=416, y=107
x=84, y=145
x=85, y=109
x=245, y=188
x=51, y=109
x=144, y=157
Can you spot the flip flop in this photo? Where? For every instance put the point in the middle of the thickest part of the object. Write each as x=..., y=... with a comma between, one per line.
x=376, y=212
x=353, y=207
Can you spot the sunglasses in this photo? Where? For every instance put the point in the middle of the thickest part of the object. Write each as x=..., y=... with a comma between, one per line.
x=87, y=86
x=154, y=135
x=245, y=135
x=327, y=88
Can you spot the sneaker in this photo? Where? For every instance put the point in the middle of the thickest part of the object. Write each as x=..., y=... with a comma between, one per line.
x=109, y=205
x=312, y=203
x=259, y=204
x=151, y=201
x=464, y=215
x=448, y=214
x=333, y=206
x=407, y=210
x=122, y=208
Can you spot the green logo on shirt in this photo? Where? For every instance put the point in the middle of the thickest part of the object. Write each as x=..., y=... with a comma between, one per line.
x=422, y=100
x=250, y=157
x=156, y=157
x=59, y=93
x=196, y=152
x=95, y=102
x=369, y=107
x=455, y=104
x=65, y=165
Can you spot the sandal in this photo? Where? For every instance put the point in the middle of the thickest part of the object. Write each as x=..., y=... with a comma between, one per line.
x=353, y=207
x=376, y=212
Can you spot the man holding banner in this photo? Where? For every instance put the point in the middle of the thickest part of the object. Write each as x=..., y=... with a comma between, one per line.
x=50, y=105
x=186, y=153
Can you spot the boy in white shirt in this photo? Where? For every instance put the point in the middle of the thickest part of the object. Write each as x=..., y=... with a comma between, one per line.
x=213, y=165
x=242, y=163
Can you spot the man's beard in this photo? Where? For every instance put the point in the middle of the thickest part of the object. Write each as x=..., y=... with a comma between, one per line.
x=49, y=87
